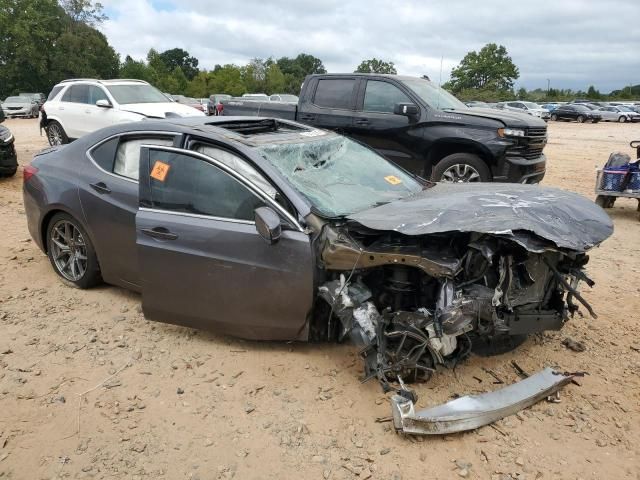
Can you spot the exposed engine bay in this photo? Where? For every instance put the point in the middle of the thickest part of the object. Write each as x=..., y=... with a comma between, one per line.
x=414, y=302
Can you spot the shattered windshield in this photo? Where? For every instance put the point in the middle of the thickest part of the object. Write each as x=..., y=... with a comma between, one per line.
x=339, y=176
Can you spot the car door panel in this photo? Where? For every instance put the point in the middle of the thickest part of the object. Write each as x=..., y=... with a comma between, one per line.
x=389, y=134
x=216, y=273
x=222, y=276
x=110, y=204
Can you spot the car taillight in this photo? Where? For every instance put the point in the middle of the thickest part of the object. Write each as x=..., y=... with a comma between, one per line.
x=28, y=172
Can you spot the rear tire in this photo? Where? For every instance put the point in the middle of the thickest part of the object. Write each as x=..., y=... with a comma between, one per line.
x=461, y=168
x=56, y=134
x=71, y=252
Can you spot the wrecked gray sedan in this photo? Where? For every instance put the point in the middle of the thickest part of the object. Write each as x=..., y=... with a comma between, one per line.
x=268, y=229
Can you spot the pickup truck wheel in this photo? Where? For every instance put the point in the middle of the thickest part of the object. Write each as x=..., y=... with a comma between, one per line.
x=461, y=168
x=56, y=134
x=554, y=117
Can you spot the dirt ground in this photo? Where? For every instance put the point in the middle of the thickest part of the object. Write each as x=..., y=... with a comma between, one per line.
x=90, y=389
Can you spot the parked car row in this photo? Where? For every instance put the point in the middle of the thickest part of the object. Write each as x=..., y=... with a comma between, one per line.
x=578, y=110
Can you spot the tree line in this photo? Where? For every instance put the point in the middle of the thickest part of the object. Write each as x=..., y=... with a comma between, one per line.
x=45, y=41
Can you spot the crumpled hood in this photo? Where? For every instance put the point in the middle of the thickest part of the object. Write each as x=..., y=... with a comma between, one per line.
x=507, y=117
x=160, y=110
x=567, y=219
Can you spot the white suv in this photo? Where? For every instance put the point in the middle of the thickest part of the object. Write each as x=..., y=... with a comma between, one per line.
x=80, y=106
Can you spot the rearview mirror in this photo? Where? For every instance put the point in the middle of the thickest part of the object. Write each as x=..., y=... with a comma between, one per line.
x=406, y=109
x=268, y=224
x=103, y=103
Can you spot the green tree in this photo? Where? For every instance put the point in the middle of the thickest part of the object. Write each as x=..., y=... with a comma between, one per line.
x=523, y=94
x=42, y=44
x=227, y=79
x=376, y=66
x=593, y=93
x=274, y=79
x=177, y=57
x=84, y=11
x=139, y=70
x=490, y=68
x=296, y=69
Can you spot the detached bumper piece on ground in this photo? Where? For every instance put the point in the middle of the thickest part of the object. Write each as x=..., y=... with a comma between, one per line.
x=474, y=411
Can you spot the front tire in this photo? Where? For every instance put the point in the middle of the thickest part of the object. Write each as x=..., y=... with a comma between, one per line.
x=554, y=117
x=71, y=252
x=580, y=119
x=461, y=168
x=56, y=134
x=622, y=119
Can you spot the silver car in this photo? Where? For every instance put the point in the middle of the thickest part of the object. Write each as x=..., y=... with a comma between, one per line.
x=21, y=107
x=619, y=113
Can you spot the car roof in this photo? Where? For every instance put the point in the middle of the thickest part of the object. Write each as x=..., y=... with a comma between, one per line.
x=103, y=82
x=246, y=131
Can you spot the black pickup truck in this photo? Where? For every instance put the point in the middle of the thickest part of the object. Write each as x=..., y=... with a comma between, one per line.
x=417, y=125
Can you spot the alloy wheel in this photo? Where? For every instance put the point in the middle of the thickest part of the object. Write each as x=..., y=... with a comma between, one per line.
x=69, y=250
x=460, y=173
x=54, y=135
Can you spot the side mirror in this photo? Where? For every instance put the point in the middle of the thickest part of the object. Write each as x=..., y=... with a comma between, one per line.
x=268, y=224
x=406, y=109
x=104, y=103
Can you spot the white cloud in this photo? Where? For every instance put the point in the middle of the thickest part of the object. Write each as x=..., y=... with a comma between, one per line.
x=574, y=43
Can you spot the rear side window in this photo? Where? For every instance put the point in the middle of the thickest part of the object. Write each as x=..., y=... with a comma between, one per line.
x=54, y=92
x=76, y=94
x=382, y=97
x=191, y=185
x=334, y=93
x=121, y=155
x=127, y=161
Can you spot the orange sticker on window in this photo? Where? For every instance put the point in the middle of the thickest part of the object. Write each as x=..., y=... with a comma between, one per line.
x=393, y=180
x=160, y=170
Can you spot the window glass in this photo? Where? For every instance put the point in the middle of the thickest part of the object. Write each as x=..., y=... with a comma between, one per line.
x=339, y=176
x=79, y=94
x=105, y=154
x=382, y=97
x=137, y=93
x=127, y=162
x=192, y=185
x=95, y=94
x=334, y=93
x=54, y=92
x=239, y=165
x=67, y=95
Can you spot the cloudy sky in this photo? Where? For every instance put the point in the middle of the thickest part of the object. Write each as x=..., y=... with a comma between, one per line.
x=573, y=43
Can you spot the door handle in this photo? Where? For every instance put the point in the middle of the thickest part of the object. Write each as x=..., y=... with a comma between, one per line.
x=362, y=122
x=307, y=118
x=100, y=187
x=161, y=233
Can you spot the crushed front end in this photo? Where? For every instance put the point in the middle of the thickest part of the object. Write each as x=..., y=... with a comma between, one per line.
x=414, y=302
